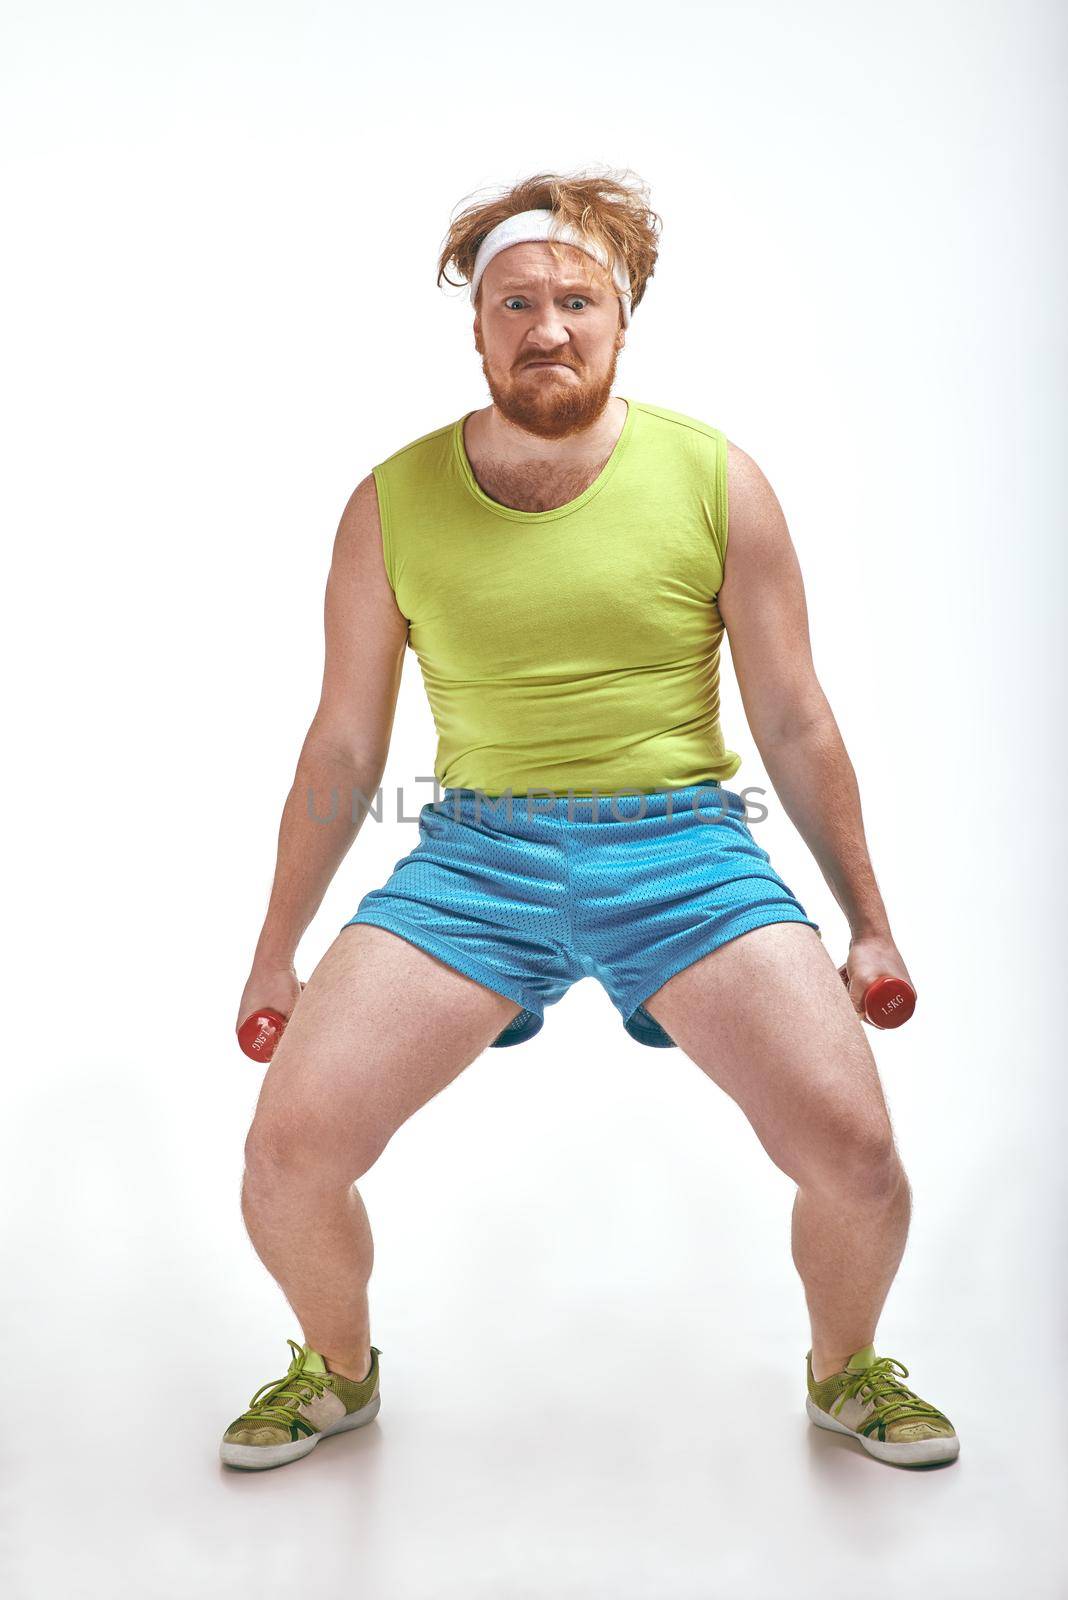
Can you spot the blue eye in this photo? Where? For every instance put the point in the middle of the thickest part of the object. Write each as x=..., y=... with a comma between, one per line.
x=517, y=297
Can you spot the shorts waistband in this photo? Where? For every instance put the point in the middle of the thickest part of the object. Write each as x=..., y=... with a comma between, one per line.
x=615, y=805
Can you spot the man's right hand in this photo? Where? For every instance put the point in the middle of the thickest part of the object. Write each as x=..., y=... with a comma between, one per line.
x=271, y=986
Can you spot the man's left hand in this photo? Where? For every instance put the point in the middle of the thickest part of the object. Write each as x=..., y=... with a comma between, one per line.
x=870, y=957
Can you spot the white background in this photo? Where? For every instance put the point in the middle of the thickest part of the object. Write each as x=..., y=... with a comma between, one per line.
x=221, y=231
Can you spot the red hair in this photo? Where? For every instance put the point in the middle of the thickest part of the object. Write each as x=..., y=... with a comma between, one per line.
x=614, y=214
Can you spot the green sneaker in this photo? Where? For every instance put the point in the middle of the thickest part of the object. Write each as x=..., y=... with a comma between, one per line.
x=866, y=1400
x=287, y=1418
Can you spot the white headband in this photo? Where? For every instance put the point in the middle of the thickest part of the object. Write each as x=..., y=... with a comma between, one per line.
x=525, y=227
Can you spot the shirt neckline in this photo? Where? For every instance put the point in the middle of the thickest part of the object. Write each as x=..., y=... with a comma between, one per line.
x=511, y=513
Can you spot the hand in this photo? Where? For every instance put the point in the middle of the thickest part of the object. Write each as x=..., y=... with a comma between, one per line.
x=270, y=985
x=870, y=957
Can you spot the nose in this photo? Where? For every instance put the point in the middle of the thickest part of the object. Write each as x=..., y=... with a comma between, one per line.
x=547, y=333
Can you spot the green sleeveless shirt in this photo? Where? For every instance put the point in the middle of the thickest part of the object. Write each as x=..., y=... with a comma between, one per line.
x=575, y=649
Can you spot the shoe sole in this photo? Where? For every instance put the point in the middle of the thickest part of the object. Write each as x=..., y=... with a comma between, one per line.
x=910, y=1453
x=256, y=1457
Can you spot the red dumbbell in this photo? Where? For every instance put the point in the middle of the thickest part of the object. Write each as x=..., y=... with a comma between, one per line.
x=260, y=1032
x=888, y=1002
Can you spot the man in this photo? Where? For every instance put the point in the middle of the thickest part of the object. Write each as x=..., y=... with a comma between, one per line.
x=560, y=563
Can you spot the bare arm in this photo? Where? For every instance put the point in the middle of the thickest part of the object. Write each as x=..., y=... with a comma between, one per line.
x=344, y=750
x=762, y=603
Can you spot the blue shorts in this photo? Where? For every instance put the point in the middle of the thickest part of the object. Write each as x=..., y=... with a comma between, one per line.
x=625, y=888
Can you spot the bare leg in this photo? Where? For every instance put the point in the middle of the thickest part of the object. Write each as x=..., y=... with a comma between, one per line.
x=767, y=1017
x=381, y=1027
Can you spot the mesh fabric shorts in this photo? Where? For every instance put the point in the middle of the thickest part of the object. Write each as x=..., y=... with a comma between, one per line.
x=528, y=894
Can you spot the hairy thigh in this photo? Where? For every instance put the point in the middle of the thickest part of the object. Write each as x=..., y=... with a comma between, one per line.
x=767, y=1017
x=380, y=1027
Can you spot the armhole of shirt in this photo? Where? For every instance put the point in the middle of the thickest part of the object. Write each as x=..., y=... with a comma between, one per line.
x=385, y=526
x=720, y=497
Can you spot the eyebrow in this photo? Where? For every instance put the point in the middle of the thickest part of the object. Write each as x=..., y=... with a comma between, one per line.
x=525, y=283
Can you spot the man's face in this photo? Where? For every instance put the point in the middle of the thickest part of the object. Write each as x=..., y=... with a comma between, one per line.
x=549, y=333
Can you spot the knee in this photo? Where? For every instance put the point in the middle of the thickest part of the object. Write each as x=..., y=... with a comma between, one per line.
x=293, y=1151
x=273, y=1154
x=861, y=1160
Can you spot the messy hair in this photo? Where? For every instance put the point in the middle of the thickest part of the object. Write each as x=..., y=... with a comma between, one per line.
x=614, y=214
